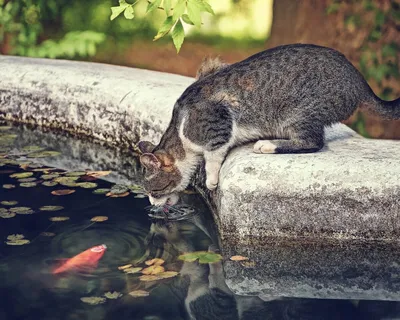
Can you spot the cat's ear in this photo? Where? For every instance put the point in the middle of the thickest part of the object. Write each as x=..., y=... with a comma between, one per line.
x=209, y=66
x=150, y=162
x=145, y=146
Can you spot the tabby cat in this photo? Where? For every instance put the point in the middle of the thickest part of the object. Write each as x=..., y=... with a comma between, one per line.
x=280, y=98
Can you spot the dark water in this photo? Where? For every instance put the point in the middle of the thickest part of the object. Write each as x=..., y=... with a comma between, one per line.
x=28, y=289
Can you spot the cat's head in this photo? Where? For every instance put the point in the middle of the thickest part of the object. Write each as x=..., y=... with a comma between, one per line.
x=162, y=179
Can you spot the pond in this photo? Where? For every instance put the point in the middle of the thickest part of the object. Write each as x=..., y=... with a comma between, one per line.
x=61, y=196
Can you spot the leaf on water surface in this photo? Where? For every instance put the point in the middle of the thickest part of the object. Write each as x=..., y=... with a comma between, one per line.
x=32, y=148
x=87, y=185
x=58, y=219
x=15, y=236
x=9, y=203
x=155, y=261
x=238, y=258
x=43, y=154
x=8, y=186
x=24, y=166
x=22, y=210
x=28, y=184
x=113, y=295
x=167, y=274
x=139, y=293
x=148, y=278
x=153, y=270
x=27, y=180
x=98, y=174
x=101, y=191
x=21, y=175
x=125, y=266
x=66, y=179
x=203, y=256
x=51, y=208
x=93, y=300
x=119, y=189
x=48, y=234
x=18, y=242
x=75, y=173
x=132, y=270
x=62, y=192
x=119, y=195
x=99, y=219
x=49, y=176
x=49, y=183
x=7, y=214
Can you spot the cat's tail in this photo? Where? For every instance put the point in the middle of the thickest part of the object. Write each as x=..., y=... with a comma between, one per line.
x=385, y=109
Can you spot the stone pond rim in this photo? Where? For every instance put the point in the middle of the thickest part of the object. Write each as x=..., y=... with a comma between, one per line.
x=349, y=190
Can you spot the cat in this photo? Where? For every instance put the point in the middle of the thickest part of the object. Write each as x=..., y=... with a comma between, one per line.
x=281, y=98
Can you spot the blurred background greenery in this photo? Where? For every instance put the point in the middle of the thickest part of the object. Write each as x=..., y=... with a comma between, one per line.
x=366, y=31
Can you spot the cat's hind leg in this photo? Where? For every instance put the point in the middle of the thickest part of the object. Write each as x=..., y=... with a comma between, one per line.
x=302, y=139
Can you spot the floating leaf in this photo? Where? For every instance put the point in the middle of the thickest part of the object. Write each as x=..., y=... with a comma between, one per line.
x=155, y=261
x=32, y=148
x=9, y=203
x=101, y=191
x=93, y=300
x=27, y=180
x=153, y=270
x=75, y=173
x=119, y=195
x=87, y=185
x=167, y=274
x=28, y=184
x=67, y=181
x=18, y=242
x=21, y=175
x=16, y=236
x=8, y=186
x=49, y=183
x=132, y=270
x=98, y=174
x=22, y=210
x=125, y=267
x=119, y=189
x=51, y=208
x=99, y=219
x=62, y=192
x=238, y=258
x=7, y=214
x=203, y=256
x=44, y=170
x=148, y=278
x=43, y=154
x=49, y=176
x=113, y=295
x=58, y=219
x=48, y=234
x=139, y=293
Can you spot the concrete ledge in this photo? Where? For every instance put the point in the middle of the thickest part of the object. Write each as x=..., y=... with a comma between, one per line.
x=276, y=209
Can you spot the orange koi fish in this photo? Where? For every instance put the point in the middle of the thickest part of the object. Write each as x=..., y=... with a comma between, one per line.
x=86, y=260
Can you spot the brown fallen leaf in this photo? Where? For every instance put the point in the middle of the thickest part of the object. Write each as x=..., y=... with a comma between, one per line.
x=167, y=274
x=121, y=195
x=148, y=278
x=99, y=219
x=98, y=174
x=62, y=192
x=125, y=266
x=57, y=219
x=238, y=258
x=153, y=270
x=139, y=293
x=155, y=261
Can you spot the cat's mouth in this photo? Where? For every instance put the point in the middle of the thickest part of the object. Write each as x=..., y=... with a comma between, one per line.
x=169, y=200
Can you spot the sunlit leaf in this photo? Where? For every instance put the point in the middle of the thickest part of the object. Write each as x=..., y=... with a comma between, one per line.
x=133, y=270
x=49, y=183
x=93, y=300
x=18, y=242
x=58, y=219
x=113, y=295
x=203, y=256
x=125, y=266
x=21, y=175
x=139, y=293
x=99, y=219
x=167, y=274
x=187, y=20
x=16, y=236
x=179, y=9
x=119, y=195
x=178, y=35
x=45, y=169
x=28, y=184
x=129, y=13
x=22, y=210
x=43, y=154
x=49, y=176
x=148, y=278
x=153, y=270
x=51, y=208
x=206, y=6
x=165, y=28
x=153, y=5
x=98, y=174
x=75, y=173
x=62, y=192
x=87, y=185
x=9, y=203
x=48, y=234
x=155, y=261
x=8, y=186
x=238, y=258
x=119, y=189
x=101, y=191
x=167, y=6
x=27, y=180
x=194, y=12
x=6, y=214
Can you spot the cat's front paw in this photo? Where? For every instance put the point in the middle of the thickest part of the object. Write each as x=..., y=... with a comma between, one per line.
x=211, y=184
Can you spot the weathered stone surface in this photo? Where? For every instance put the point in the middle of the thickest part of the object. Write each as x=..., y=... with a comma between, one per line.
x=115, y=104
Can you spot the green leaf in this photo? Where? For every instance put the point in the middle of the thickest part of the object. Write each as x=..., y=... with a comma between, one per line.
x=167, y=6
x=379, y=18
x=165, y=28
x=194, y=11
x=178, y=35
x=389, y=50
x=186, y=19
x=128, y=13
x=153, y=5
x=179, y=9
x=206, y=6
x=116, y=11
x=203, y=256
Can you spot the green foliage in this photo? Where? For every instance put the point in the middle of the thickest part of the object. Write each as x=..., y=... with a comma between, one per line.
x=202, y=256
x=22, y=30
x=182, y=12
